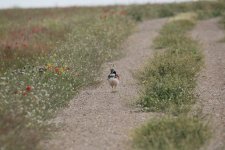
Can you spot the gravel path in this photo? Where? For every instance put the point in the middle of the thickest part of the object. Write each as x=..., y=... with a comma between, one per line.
x=211, y=83
x=98, y=119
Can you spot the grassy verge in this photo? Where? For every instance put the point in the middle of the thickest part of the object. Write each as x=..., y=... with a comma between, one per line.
x=170, y=133
x=169, y=79
x=31, y=94
x=168, y=86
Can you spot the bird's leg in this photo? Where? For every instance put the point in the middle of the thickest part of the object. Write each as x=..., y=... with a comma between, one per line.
x=114, y=89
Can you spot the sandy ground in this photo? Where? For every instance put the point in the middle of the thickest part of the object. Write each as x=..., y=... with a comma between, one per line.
x=211, y=82
x=98, y=119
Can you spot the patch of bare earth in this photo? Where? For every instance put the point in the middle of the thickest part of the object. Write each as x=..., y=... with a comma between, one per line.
x=98, y=119
x=211, y=82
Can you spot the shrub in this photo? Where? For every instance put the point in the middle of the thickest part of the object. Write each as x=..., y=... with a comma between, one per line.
x=168, y=80
x=171, y=134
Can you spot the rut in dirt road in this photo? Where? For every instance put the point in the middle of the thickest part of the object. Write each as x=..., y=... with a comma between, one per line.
x=211, y=82
x=98, y=119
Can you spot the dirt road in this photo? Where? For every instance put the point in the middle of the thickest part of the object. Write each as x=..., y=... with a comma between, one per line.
x=100, y=120
x=211, y=82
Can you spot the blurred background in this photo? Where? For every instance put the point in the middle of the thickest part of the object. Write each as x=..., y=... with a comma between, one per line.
x=63, y=3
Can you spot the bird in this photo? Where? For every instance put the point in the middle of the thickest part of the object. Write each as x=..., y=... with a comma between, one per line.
x=113, y=79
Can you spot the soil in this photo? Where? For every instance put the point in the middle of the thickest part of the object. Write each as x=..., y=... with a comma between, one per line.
x=211, y=81
x=98, y=119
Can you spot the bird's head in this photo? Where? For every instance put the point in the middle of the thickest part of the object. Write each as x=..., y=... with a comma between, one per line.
x=112, y=71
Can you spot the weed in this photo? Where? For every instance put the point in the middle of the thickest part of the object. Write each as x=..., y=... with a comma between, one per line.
x=170, y=133
x=169, y=77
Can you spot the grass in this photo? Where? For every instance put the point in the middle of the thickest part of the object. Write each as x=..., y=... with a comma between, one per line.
x=170, y=133
x=168, y=87
x=32, y=92
x=203, y=9
x=29, y=34
x=168, y=80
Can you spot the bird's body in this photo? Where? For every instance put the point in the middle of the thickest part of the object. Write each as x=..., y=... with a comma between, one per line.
x=113, y=79
x=113, y=82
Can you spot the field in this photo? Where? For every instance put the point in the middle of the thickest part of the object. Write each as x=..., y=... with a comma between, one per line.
x=46, y=61
x=48, y=55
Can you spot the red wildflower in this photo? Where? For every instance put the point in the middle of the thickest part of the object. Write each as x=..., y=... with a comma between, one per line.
x=25, y=45
x=123, y=13
x=28, y=88
x=57, y=70
x=24, y=93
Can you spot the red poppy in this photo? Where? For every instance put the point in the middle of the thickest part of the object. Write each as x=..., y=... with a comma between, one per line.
x=28, y=88
x=24, y=94
x=57, y=70
x=25, y=45
x=123, y=12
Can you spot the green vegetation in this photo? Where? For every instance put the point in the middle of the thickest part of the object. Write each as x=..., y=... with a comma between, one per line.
x=168, y=86
x=168, y=80
x=170, y=133
x=32, y=93
x=29, y=34
x=204, y=9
